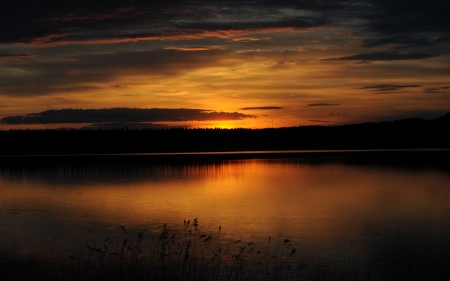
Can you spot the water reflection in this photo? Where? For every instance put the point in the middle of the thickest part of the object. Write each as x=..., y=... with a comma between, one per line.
x=324, y=207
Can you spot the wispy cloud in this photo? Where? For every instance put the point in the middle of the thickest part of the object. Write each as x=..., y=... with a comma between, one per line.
x=379, y=23
x=244, y=40
x=17, y=55
x=388, y=88
x=76, y=70
x=385, y=56
x=53, y=22
x=189, y=49
x=437, y=90
x=122, y=115
x=131, y=125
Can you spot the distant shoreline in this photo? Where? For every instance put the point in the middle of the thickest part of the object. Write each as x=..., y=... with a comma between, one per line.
x=390, y=135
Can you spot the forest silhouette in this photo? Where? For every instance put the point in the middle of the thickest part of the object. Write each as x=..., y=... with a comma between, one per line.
x=412, y=133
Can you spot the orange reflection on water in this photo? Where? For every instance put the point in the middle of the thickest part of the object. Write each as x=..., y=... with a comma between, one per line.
x=316, y=206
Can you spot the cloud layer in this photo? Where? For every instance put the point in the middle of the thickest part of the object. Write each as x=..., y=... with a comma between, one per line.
x=262, y=108
x=386, y=56
x=227, y=55
x=408, y=23
x=17, y=55
x=122, y=115
x=388, y=88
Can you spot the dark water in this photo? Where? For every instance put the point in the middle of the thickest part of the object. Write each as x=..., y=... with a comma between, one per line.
x=336, y=211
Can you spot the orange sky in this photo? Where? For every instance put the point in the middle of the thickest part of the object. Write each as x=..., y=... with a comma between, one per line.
x=287, y=63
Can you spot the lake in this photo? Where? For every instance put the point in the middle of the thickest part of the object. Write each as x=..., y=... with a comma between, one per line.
x=380, y=215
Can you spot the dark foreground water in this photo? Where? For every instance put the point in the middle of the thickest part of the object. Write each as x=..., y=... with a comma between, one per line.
x=366, y=216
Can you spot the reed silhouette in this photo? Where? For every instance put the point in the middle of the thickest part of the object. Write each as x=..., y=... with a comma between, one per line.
x=193, y=255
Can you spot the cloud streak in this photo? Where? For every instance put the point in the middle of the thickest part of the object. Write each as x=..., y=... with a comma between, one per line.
x=389, y=88
x=437, y=90
x=190, y=49
x=17, y=55
x=386, y=56
x=129, y=125
x=122, y=115
x=84, y=21
x=384, y=22
x=82, y=71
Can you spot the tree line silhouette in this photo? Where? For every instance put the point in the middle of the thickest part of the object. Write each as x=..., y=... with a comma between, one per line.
x=405, y=133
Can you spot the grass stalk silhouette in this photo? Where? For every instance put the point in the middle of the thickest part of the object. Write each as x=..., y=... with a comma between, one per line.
x=192, y=255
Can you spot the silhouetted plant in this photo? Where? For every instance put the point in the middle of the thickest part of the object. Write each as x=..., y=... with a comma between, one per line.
x=192, y=256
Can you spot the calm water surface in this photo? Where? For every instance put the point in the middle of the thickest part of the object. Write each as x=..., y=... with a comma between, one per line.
x=329, y=210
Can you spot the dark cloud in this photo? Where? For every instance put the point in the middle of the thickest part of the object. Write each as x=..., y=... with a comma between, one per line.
x=437, y=90
x=17, y=55
x=129, y=125
x=61, y=21
x=122, y=115
x=77, y=72
x=48, y=21
x=388, y=88
x=255, y=26
x=379, y=22
x=188, y=49
x=406, y=18
x=244, y=40
x=262, y=108
x=386, y=56
x=414, y=40
x=408, y=23
x=322, y=104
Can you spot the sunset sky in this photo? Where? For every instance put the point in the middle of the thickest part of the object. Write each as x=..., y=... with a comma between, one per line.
x=254, y=64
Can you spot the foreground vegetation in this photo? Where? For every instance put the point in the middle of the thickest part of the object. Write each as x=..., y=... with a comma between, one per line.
x=194, y=256
x=190, y=256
